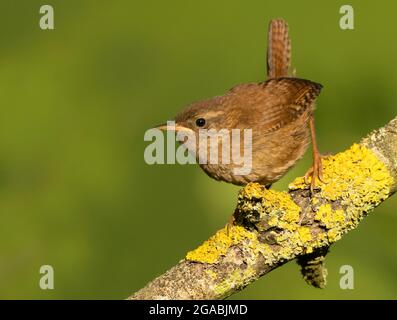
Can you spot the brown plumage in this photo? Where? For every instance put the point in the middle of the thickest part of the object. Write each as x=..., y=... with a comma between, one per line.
x=278, y=50
x=278, y=65
x=279, y=112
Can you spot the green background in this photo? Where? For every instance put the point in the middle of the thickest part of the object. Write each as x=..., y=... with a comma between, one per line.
x=75, y=191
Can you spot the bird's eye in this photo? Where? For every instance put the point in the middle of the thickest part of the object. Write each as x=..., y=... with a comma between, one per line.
x=200, y=122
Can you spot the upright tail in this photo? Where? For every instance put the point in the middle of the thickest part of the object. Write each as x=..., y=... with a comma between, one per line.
x=278, y=49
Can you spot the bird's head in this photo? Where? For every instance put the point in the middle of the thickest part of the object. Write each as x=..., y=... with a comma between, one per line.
x=206, y=114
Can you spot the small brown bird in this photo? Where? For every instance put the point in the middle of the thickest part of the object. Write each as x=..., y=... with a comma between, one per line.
x=279, y=111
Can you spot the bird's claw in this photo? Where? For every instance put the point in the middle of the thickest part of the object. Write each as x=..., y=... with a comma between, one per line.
x=315, y=172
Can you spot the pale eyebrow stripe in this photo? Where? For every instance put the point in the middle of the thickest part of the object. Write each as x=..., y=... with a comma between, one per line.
x=212, y=114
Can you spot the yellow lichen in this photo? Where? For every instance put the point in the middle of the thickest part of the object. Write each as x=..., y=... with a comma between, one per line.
x=252, y=191
x=356, y=170
x=218, y=244
x=281, y=209
x=271, y=203
x=357, y=175
x=334, y=235
x=304, y=234
x=309, y=249
x=281, y=201
x=273, y=221
x=355, y=180
x=306, y=239
x=330, y=218
x=315, y=201
x=358, y=180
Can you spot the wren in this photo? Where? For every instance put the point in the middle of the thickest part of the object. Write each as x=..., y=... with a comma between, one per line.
x=279, y=112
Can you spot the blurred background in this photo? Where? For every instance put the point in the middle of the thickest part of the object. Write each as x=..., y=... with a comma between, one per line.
x=75, y=192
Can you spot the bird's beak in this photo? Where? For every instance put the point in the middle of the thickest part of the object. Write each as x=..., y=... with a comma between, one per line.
x=175, y=128
x=164, y=127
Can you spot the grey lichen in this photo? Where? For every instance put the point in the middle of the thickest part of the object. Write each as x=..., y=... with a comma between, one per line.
x=273, y=227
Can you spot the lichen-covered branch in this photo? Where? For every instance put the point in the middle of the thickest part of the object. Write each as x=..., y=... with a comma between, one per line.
x=271, y=228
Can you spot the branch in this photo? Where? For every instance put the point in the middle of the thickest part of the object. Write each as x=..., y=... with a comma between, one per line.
x=272, y=228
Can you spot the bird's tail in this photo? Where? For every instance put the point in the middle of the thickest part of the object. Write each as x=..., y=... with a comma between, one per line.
x=278, y=50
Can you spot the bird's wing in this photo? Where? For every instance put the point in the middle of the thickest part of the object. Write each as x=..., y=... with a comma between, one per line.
x=285, y=99
x=278, y=49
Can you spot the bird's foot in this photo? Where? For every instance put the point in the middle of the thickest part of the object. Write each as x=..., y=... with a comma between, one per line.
x=315, y=172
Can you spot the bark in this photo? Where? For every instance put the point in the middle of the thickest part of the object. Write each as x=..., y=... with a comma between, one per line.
x=271, y=228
